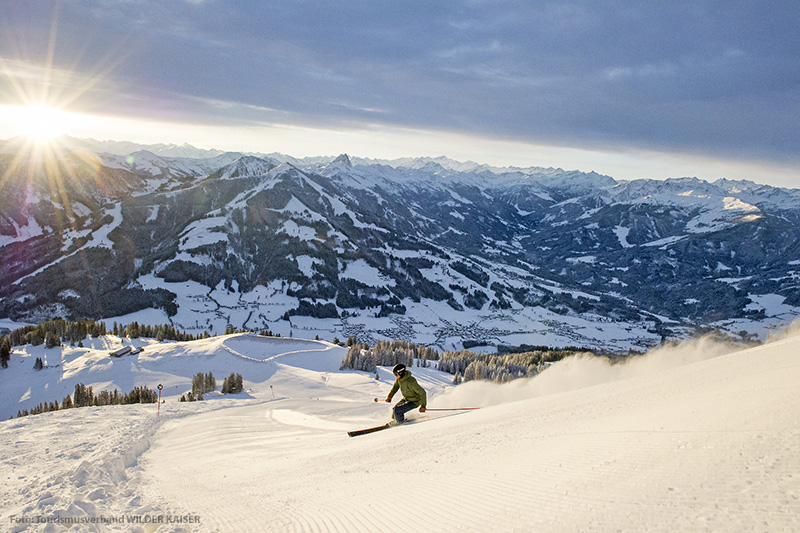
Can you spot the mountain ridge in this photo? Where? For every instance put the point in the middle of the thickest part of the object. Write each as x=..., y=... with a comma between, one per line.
x=434, y=251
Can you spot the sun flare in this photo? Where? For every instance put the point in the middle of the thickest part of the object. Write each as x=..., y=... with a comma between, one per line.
x=40, y=123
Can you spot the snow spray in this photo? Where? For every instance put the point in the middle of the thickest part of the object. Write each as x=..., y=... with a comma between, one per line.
x=585, y=370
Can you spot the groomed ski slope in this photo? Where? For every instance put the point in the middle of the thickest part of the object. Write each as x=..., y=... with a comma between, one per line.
x=687, y=439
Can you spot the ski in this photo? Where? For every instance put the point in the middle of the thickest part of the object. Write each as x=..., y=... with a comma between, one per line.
x=357, y=432
x=388, y=425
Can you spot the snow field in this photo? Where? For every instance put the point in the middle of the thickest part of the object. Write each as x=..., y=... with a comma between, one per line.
x=707, y=446
x=693, y=438
x=78, y=465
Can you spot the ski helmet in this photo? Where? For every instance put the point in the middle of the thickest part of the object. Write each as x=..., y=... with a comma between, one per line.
x=399, y=369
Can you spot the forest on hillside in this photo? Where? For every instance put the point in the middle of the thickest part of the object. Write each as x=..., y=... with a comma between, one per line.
x=506, y=365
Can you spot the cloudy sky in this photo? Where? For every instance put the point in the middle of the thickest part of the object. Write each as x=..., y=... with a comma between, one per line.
x=627, y=88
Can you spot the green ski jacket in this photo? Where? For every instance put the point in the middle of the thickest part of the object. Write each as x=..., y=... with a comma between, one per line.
x=411, y=390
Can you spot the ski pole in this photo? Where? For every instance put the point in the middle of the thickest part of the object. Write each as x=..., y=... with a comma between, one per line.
x=440, y=409
x=453, y=409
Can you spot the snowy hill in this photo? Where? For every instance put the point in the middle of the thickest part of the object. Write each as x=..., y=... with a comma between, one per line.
x=431, y=250
x=688, y=438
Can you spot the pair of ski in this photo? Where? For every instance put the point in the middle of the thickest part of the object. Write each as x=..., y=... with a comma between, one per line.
x=357, y=432
x=366, y=431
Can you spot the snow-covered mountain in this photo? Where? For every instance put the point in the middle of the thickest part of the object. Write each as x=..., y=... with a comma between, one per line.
x=425, y=249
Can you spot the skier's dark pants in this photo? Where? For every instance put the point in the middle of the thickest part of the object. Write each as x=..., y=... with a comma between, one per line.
x=402, y=407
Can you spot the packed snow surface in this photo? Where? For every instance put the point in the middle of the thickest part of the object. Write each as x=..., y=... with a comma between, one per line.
x=697, y=437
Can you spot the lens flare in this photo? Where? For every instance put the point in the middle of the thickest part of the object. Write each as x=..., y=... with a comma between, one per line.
x=41, y=123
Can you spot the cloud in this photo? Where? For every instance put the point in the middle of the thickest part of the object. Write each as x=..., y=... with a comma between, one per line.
x=686, y=77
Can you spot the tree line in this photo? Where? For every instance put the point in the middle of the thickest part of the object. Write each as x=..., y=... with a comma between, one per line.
x=58, y=332
x=499, y=368
x=386, y=353
x=55, y=332
x=159, y=333
x=465, y=365
x=84, y=397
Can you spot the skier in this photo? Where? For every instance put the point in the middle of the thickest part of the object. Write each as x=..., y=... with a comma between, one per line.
x=413, y=395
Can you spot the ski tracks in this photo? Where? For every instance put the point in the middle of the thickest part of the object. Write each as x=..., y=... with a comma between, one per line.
x=83, y=466
x=250, y=474
x=246, y=471
x=707, y=448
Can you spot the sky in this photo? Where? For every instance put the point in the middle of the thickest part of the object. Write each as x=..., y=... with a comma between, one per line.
x=625, y=88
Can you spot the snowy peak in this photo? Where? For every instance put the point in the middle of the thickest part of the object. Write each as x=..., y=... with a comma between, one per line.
x=247, y=166
x=572, y=183
x=343, y=160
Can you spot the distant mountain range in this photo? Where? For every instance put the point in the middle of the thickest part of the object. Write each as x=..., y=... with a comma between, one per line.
x=425, y=249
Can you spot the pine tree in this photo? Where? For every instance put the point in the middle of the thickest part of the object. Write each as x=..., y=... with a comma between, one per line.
x=233, y=384
x=51, y=341
x=5, y=351
x=79, y=397
x=66, y=403
x=38, y=365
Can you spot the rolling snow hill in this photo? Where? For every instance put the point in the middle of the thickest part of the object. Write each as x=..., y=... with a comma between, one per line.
x=688, y=438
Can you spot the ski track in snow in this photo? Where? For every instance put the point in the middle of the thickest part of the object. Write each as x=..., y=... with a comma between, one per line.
x=698, y=448
x=708, y=446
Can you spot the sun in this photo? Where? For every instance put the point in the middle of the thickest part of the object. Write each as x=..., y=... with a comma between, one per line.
x=42, y=124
